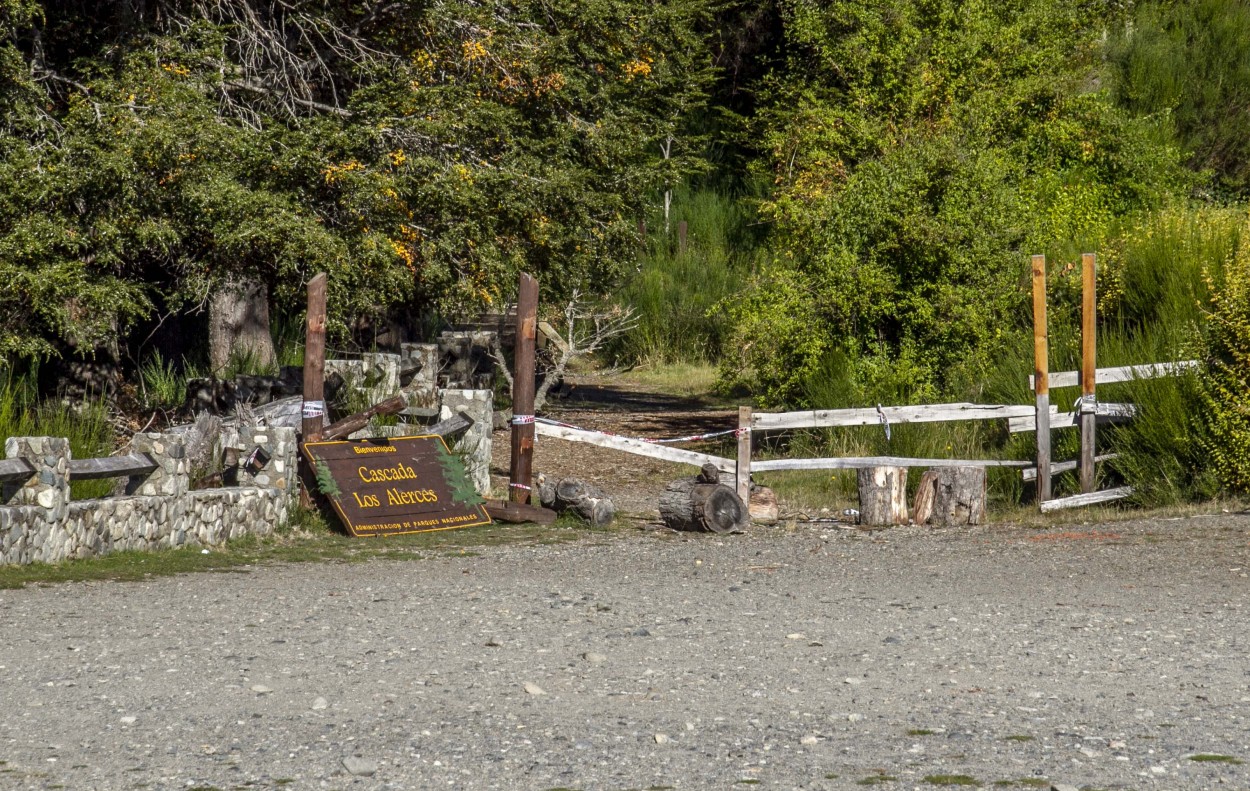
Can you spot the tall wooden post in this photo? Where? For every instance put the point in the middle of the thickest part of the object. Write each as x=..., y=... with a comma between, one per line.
x=315, y=360
x=1041, y=377
x=682, y=228
x=1089, y=370
x=743, y=475
x=520, y=474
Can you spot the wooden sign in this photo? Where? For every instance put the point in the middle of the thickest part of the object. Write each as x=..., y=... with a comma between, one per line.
x=397, y=485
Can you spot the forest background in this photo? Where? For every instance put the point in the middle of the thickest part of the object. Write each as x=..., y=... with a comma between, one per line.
x=863, y=184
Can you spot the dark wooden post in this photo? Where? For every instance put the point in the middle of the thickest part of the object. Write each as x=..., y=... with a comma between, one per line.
x=315, y=360
x=742, y=479
x=642, y=233
x=1041, y=377
x=1089, y=370
x=520, y=475
x=681, y=236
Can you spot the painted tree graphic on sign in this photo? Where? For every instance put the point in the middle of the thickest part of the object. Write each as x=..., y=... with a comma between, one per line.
x=462, y=489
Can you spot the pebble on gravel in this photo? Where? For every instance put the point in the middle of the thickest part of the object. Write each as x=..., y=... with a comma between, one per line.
x=261, y=689
x=129, y=720
x=1063, y=787
x=534, y=689
x=662, y=738
x=360, y=767
x=320, y=703
x=809, y=739
x=594, y=658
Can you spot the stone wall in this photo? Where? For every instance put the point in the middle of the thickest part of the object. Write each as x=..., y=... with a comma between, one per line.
x=40, y=524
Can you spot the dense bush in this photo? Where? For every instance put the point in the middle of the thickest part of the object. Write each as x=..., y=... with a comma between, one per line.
x=420, y=153
x=919, y=151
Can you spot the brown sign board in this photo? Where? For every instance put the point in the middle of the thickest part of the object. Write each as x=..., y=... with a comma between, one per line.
x=397, y=485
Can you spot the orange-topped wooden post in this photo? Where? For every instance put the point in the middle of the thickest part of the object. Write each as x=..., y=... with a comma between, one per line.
x=520, y=474
x=1041, y=377
x=1089, y=371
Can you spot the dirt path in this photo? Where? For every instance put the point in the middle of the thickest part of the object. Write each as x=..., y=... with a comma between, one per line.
x=1092, y=657
x=603, y=404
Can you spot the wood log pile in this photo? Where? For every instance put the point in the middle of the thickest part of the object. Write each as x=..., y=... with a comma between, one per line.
x=703, y=504
x=581, y=498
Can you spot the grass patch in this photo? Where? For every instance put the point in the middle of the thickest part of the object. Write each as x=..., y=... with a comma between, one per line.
x=689, y=379
x=294, y=547
x=920, y=732
x=1215, y=759
x=951, y=780
x=875, y=780
x=748, y=782
x=1018, y=737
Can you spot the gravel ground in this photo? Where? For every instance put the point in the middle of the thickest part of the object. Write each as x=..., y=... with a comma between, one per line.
x=1092, y=656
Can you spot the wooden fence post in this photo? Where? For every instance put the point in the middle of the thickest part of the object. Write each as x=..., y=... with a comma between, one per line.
x=520, y=473
x=682, y=228
x=1089, y=370
x=743, y=475
x=315, y=360
x=1041, y=377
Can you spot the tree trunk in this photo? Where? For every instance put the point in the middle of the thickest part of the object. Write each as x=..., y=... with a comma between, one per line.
x=584, y=499
x=238, y=326
x=922, y=506
x=883, y=496
x=702, y=504
x=961, y=493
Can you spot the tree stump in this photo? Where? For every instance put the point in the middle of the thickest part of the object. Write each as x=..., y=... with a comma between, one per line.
x=584, y=499
x=922, y=506
x=883, y=496
x=960, y=497
x=762, y=505
x=703, y=504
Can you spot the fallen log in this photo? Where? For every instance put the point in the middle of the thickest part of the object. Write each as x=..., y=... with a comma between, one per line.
x=584, y=499
x=517, y=513
x=353, y=423
x=703, y=504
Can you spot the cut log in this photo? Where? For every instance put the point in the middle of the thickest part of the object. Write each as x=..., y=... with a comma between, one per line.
x=516, y=513
x=882, y=496
x=960, y=496
x=702, y=504
x=353, y=423
x=922, y=506
x=763, y=506
x=583, y=499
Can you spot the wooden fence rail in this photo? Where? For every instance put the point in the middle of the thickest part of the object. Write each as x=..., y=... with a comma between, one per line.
x=870, y=416
x=1127, y=373
x=15, y=470
x=635, y=446
x=111, y=467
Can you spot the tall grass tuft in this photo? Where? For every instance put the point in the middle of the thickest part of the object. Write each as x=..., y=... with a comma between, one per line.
x=86, y=426
x=677, y=293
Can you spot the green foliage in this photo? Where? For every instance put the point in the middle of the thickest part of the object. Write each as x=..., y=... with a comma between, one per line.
x=1225, y=387
x=435, y=151
x=678, y=294
x=1190, y=61
x=918, y=151
x=163, y=383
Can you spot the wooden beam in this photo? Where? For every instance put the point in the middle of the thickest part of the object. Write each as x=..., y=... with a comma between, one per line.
x=1125, y=373
x=860, y=462
x=353, y=423
x=314, y=409
x=926, y=413
x=1030, y=473
x=1089, y=346
x=743, y=473
x=15, y=470
x=1041, y=384
x=1105, y=413
x=517, y=513
x=520, y=473
x=111, y=467
x=637, y=447
x=1093, y=498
